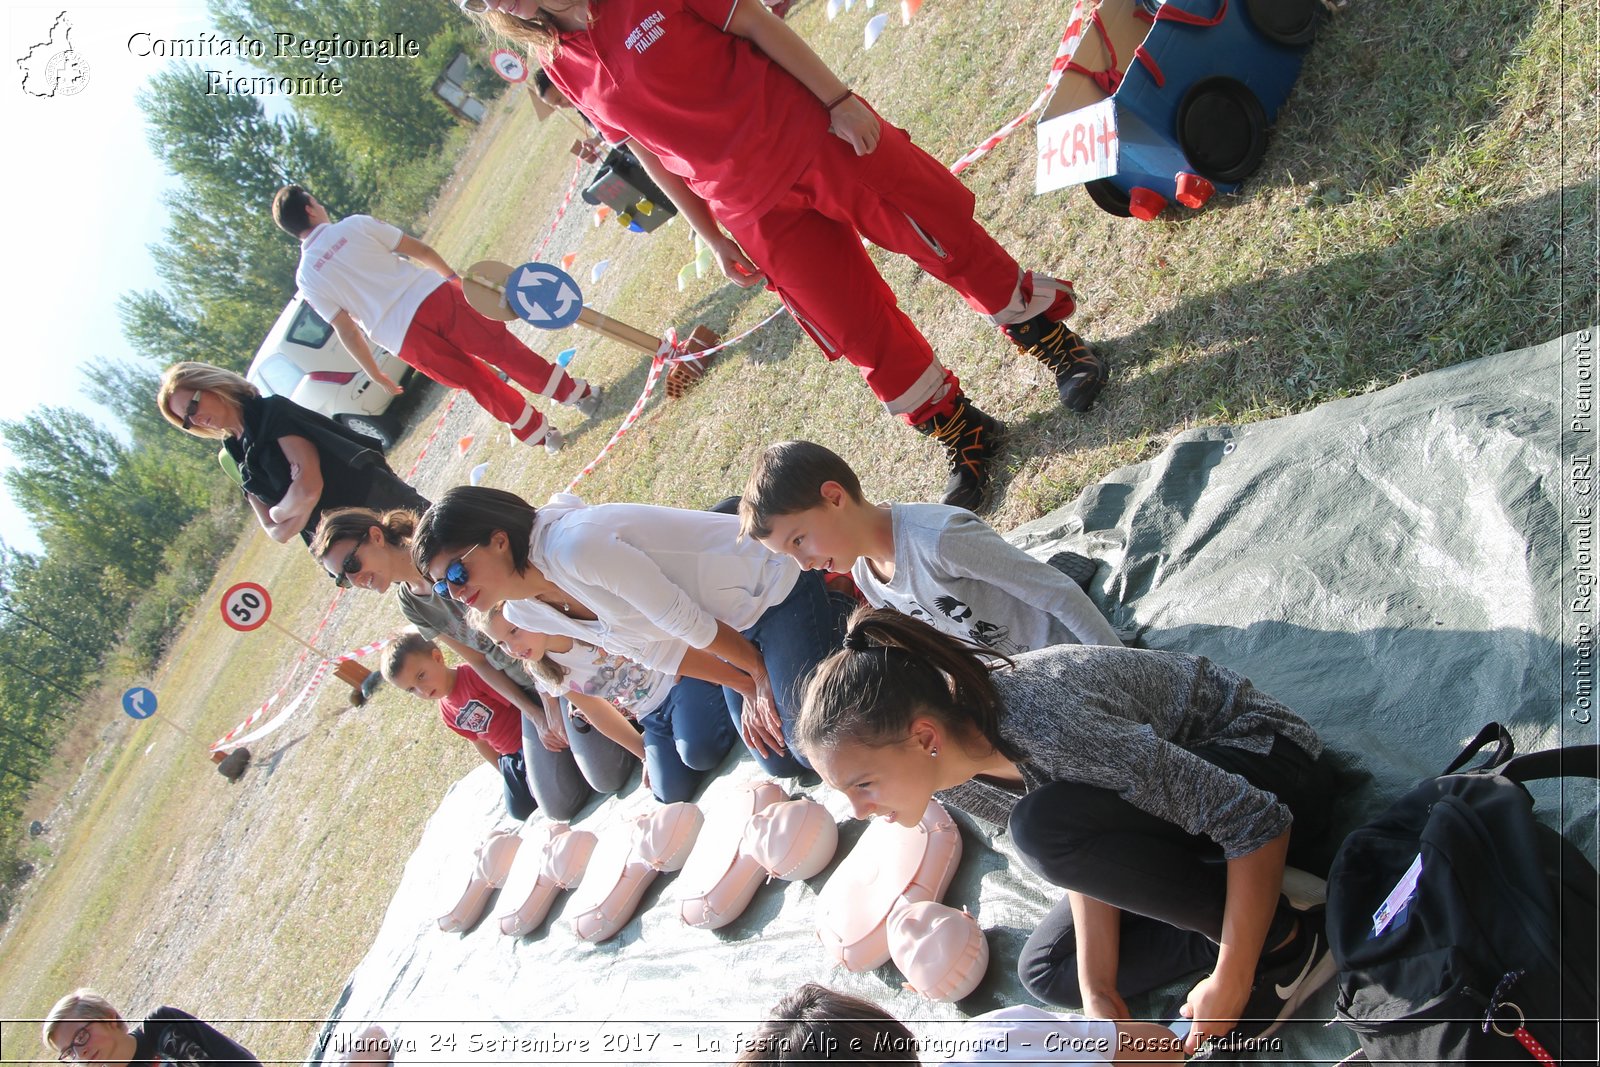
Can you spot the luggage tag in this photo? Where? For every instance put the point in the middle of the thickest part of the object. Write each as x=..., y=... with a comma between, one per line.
x=1395, y=909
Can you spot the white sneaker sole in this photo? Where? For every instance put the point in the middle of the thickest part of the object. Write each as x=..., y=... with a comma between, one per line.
x=1304, y=889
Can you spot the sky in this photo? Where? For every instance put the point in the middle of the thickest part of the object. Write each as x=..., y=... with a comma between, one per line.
x=85, y=193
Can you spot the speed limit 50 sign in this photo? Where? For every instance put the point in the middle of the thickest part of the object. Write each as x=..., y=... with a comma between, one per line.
x=245, y=606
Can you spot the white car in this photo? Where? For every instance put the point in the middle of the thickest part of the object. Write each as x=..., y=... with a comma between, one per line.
x=304, y=360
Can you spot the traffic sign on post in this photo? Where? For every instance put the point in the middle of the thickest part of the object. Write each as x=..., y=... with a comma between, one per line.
x=509, y=65
x=245, y=606
x=544, y=296
x=139, y=702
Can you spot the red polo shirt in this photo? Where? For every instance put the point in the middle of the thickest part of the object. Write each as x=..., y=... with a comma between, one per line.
x=721, y=115
x=478, y=713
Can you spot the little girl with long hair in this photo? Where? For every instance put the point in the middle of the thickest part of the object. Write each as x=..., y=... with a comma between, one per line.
x=686, y=730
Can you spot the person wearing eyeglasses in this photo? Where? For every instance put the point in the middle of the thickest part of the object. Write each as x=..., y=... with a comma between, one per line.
x=783, y=171
x=672, y=589
x=294, y=463
x=566, y=763
x=85, y=1026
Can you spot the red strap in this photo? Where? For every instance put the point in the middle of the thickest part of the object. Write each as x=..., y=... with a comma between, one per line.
x=1110, y=78
x=1170, y=13
x=1531, y=1043
x=1150, y=64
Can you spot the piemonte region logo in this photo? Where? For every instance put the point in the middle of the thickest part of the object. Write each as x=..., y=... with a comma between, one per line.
x=53, y=67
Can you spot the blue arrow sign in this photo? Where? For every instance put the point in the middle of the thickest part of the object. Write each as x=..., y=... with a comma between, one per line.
x=139, y=702
x=544, y=296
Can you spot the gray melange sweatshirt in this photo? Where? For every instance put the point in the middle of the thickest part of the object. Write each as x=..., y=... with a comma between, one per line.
x=955, y=573
x=1124, y=719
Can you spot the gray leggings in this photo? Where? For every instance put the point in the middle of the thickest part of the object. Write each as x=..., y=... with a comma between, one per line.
x=563, y=782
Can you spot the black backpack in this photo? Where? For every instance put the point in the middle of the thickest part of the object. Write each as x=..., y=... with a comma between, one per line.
x=1496, y=928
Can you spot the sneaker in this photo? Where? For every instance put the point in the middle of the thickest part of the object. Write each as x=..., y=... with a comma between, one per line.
x=1080, y=371
x=972, y=439
x=1304, y=889
x=1287, y=978
x=552, y=439
x=589, y=403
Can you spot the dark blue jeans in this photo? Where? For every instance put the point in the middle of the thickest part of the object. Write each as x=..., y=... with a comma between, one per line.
x=793, y=636
x=685, y=737
x=514, y=784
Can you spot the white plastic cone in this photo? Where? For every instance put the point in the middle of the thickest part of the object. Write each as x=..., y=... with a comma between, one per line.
x=875, y=27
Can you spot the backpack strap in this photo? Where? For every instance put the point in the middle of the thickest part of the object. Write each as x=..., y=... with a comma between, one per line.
x=1575, y=761
x=1503, y=751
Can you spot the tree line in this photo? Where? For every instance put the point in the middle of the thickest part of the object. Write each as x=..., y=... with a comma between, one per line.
x=132, y=521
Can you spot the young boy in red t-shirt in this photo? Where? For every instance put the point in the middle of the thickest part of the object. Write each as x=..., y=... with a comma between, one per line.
x=469, y=707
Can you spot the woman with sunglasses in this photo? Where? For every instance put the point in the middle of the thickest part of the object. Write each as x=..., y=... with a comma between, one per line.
x=85, y=1026
x=674, y=590
x=363, y=548
x=746, y=129
x=294, y=463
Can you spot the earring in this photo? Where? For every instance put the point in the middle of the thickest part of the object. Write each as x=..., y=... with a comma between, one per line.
x=934, y=751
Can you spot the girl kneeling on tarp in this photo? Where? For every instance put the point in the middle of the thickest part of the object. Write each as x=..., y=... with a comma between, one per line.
x=1157, y=788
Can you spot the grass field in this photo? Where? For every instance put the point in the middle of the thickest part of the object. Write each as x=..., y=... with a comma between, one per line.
x=1429, y=197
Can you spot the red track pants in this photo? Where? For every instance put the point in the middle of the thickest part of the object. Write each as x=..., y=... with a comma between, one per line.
x=903, y=200
x=450, y=342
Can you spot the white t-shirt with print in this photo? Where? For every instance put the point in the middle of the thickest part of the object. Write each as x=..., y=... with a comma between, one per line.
x=351, y=265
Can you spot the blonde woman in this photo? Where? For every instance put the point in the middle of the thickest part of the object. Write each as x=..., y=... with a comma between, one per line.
x=84, y=1025
x=294, y=463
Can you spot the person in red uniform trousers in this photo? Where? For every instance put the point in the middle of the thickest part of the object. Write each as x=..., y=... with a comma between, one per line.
x=782, y=170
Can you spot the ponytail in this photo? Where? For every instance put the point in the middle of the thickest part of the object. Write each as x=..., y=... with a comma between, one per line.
x=353, y=524
x=892, y=669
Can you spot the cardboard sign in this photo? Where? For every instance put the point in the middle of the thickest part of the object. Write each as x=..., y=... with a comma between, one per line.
x=1077, y=147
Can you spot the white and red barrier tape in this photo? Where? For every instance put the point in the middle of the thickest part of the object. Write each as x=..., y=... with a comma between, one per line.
x=669, y=352
x=237, y=736
x=1069, y=44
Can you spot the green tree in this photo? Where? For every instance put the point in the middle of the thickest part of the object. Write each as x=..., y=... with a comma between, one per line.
x=387, y=112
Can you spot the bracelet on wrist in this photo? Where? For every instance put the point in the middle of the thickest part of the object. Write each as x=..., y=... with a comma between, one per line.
x=841, y=98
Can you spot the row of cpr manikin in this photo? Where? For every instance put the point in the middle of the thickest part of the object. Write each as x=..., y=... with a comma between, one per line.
x=881, y=903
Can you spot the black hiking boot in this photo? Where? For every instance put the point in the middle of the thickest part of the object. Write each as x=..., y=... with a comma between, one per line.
x=1080, y=371
x=972, y=440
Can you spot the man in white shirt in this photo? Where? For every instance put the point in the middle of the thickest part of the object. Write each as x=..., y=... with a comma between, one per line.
x=369, y=279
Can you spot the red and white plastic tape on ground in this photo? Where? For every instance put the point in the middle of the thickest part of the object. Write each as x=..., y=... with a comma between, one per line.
x=561, y=210
x=1069, y=44
x=669, y=352
x=237, y=736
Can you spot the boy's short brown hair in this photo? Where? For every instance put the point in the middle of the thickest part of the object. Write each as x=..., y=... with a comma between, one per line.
x=787, y=479
x=289, y=210
x=400, y=649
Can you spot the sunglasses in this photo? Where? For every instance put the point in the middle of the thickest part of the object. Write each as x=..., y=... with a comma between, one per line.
x=348, y=569
x=188, y=412
x=455, y=574
x=475, y=6
x=80, y=1038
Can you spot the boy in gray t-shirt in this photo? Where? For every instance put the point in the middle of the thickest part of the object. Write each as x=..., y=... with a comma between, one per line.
x=941, y=564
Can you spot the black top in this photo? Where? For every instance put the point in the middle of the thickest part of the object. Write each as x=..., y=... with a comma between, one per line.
x=353, y=469
x=170, y=1036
